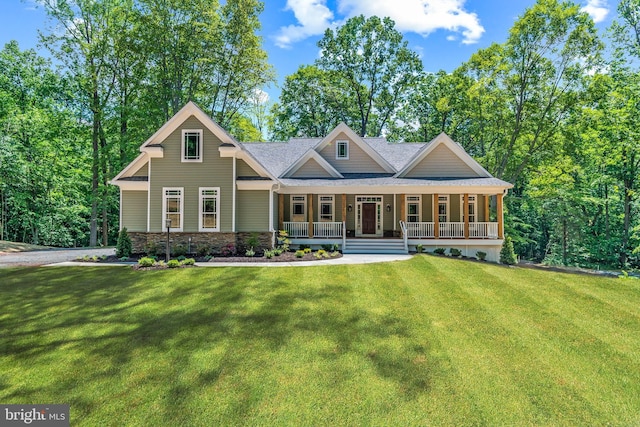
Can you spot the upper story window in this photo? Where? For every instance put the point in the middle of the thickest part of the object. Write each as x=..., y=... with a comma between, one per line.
x=342, y=149
x=192, y=145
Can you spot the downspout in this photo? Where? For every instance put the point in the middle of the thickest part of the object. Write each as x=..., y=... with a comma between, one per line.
x=233, y=197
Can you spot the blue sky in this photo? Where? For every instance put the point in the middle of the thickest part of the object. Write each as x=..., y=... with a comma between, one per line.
x=445, y=33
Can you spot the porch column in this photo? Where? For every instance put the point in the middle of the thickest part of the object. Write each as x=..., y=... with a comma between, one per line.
x=280, y=211
x=344, y=208
x=436, y=218
x=403, y=207
x=465, y=210
x=310, y=216
x=500, y=216
x=486, y=208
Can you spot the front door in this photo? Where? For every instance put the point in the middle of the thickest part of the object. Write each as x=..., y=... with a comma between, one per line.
x=369, y=218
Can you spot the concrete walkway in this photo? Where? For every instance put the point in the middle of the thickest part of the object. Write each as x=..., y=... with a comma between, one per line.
x=343, y=260
x=50, y=256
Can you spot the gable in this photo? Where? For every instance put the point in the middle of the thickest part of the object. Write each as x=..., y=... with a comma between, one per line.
x=358, y=160
x=243, y=169
x=311, y=169
x=143, y=171
x=442, y=162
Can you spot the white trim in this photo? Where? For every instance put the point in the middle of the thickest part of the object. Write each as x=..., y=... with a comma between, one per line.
x=407, y=202
x=473, y=197
x=379, y=201
x=164, y=207
x=312, y=154
x=395, y=210
x=201, y=198
x=301, y=199
x=233, y=196
x=271, y=209
x=331, y=202
x=149, y=199
x=120, y=219
x=390, y=189
x=254, y=184
x=447, y=207
x=183, y=157
x=344, y=142
x=132, y=185
x=131, y=168
x=456, y=148
x=356, y=139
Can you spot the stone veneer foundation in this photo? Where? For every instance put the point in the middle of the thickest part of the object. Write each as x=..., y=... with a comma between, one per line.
x=215, y=241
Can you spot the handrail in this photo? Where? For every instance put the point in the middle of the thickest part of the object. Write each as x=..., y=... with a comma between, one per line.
x=403, y=227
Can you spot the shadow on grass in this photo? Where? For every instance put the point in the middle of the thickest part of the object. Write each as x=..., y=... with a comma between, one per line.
x=95, y=325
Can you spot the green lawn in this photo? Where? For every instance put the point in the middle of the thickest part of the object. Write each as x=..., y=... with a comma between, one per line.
x=430, y=341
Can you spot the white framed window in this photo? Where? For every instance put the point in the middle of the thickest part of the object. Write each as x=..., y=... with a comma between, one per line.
x=473, y=208
x=298, y=208
x=327, y=205
x=173, y=207
x=342, y=150
x=413, y=208
x=209, y=210
x=443, y=208
x=191, y=147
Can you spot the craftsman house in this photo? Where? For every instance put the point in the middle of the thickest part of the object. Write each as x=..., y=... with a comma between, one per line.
x=363, y=194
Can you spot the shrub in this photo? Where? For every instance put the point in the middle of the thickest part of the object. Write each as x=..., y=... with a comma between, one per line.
x=481, y=255
x=146, y=262
x=303, y=247
x=203, y=250
x=151, y=248
x=278, y=251
x=124, y=258
x=253, y=241
x=507, y=254
x=327, y=247
x=173, y=263
x=189, y=261
x=283, y=240
x=182, y=258
x=307, y=250
x=250, y=252
x=228, y=250
x=179, y=250
x=123, y=246
x=419, y=248
x=335, y=254
x=455, y=252
x=299, y=254
x=269, y=254
x=439, y=251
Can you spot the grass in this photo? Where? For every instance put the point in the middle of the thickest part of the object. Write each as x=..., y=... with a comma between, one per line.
x=6, y=246
x=429, y=341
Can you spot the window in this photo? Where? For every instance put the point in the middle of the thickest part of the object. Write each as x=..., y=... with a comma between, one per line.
x=443, y=208
x=413, y=208
x=472, y=208
x=209, y=209
x=326, y=208
x=192, y=145
x=342, y=150
x=172, y=208
x=298, y=208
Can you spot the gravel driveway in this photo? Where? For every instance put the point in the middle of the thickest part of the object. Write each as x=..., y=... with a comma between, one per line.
x=50, y=256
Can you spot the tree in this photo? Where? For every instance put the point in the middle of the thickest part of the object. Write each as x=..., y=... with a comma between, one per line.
x=507, y=255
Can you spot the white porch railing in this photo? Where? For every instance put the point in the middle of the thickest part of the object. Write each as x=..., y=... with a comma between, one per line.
x=296, y=229
x=451, y=230
x=483, y=230
x=327, y=229
x=419, y=229
x=321, y=230
x=405, y=235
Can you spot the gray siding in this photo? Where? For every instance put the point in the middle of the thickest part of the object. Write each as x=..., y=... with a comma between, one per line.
x=243, y=169
x=169, y=171
x=143, y=171
x=358, y=161
x=134, y=210
x=311, y=169
x=442, y=163
x=253, y=210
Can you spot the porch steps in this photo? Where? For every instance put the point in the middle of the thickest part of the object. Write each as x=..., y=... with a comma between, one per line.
x=374, y=246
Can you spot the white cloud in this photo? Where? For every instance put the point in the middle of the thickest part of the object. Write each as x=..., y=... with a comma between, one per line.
x=313, y=16
x=417, y=16
x=597, y=9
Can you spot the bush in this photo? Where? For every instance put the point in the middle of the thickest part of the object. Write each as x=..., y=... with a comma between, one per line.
x=179, y=250
x=151, y=249
x=203, y=250
x=439, y=251
x=146, y=262
x=253, y=241
x=507, y=254
x=455, y=252
x=173, y=263
x=250, y=252
x=228, y=250
x=303, y=247
x=299, y=254
x=278, y=251
x=268, y=254
x=307, y=250
x=419, y=248
x=327, y=247
x=123, y=247
x=189, y=261
x=481, y=255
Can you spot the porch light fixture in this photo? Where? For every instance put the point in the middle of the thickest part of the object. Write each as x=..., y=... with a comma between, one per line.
x=350, y=208
x=168, y=251
x=388, y=207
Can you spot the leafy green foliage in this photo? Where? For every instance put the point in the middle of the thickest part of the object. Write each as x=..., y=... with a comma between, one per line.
x=146, y=262
x=507, y=255
x=124, y=246
x=173, y=263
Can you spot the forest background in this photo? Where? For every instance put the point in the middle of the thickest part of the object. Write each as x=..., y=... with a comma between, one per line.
x=553, y=110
